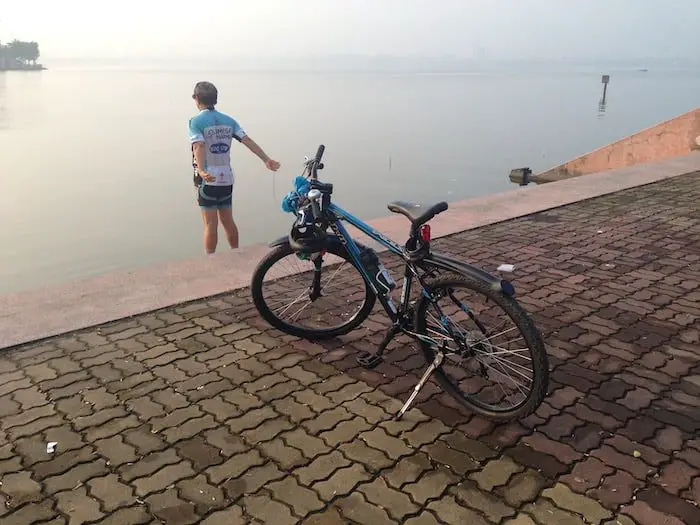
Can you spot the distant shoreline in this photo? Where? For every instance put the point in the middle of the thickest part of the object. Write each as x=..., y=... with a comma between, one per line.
x=37, y=67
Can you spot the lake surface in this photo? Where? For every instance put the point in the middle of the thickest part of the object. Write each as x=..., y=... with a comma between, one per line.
x=96, y=163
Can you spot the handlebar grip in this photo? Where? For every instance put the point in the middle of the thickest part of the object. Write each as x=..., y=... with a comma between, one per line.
x=319, y=153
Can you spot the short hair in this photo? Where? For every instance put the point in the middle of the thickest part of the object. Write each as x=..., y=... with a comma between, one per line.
x=206, y=93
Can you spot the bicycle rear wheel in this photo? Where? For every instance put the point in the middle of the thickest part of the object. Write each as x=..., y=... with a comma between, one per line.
x=281, y=289
x=500, y=370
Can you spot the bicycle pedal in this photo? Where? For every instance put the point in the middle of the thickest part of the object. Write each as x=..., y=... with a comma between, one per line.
x=369, y=360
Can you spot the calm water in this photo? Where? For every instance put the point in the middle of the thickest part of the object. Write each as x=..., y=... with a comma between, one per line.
x=96, y=163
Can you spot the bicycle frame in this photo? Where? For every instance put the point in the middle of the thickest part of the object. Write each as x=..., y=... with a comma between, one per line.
x=339, y=215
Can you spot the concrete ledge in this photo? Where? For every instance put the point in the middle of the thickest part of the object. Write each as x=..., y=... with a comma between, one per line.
x=672, y=138
x=36, y=314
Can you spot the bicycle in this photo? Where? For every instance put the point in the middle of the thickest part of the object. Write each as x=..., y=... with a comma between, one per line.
x=419, y=316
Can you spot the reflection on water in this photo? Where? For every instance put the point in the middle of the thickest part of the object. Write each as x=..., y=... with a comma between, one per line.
x=603, y=103
x=602, y=106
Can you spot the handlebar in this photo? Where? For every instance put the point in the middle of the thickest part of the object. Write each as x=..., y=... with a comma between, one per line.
x=316, y=163
x=319, y=152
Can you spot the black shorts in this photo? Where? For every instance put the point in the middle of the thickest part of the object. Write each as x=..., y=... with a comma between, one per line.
x=214, y=197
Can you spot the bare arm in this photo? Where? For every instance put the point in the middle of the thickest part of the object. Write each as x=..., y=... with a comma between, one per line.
x=253, y=146
x=200, y=159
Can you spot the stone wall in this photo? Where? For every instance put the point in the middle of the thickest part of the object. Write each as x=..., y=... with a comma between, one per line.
x=675, y=137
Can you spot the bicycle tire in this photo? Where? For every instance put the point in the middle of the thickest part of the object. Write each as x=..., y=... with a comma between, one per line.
x=528, y=330
x=277, y=254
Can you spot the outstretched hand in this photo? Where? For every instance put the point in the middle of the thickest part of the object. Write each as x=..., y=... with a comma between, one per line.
x=272, y=165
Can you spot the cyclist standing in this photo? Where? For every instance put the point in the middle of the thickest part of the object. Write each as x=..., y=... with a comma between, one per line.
x=211, y=134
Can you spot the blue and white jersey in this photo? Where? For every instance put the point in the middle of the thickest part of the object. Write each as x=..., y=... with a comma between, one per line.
x=217, y=131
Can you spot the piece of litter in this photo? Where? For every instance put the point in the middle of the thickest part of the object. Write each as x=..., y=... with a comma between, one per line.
x=505, y=268
x=637, y=454
x=51, y=447
x=600, y=231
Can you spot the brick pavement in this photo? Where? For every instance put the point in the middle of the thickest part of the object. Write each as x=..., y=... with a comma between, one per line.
x=203, y=414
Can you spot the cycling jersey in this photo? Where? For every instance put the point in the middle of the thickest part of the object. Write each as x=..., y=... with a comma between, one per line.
x=217, y=131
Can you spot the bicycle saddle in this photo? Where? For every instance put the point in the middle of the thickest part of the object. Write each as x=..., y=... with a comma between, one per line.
x=418, y=214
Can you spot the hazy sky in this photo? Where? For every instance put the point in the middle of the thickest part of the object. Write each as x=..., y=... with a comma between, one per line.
x=225, y=28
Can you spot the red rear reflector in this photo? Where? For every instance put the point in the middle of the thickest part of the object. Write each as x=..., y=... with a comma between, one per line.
x=425, y=233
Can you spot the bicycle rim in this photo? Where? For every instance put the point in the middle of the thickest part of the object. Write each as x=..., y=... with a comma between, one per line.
x=281, y=293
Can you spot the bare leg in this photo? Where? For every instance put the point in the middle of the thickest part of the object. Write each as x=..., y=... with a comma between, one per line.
x=210, y=227
x=226, y=218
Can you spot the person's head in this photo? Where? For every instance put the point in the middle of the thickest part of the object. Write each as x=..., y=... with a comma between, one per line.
x=205, y=95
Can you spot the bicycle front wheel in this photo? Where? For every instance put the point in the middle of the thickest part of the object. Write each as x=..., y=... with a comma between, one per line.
x=495, y=362
x=283, y=286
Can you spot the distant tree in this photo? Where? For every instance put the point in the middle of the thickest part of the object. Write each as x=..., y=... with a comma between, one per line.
x=19, y=54
x=32, y=52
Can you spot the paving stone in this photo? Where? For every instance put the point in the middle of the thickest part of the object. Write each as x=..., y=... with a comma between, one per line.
x=144, y=440
x=520, y=519
x=356, y=508
x=254, y=479
x=643, y=514
x=232, y=515
x=220, y=439
x=342, y=482
x=326, y=420
x=163, y=478
x=149, y=464
x=170, y=509
x=235, y=466
x=137, y=515
x=449, y=511
x=486, y=503
x=424, y=518
x=431, y=485
x=111, y=492
x=496, y=473
x=30, y=513
x=524, y=487
x=202, y=494
x=345, y=431
x=267, y=510
x=301, y=499
x=313, y=400
x=669, y=440
x=396, y=503
x=629, y=463
x=677, y=476
x=616, y=489
x=294, y=410
x=78, y=506
x=544, y=511
x=310, y=446
x=19, y=488
x=321, y=467
x=374, y=460
x=669, y=504
x=562, y=496
x=586, y=475
x=425, y=433
x=328, y=516
x=379, y=439
x=284, y=455
x=114, y=449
